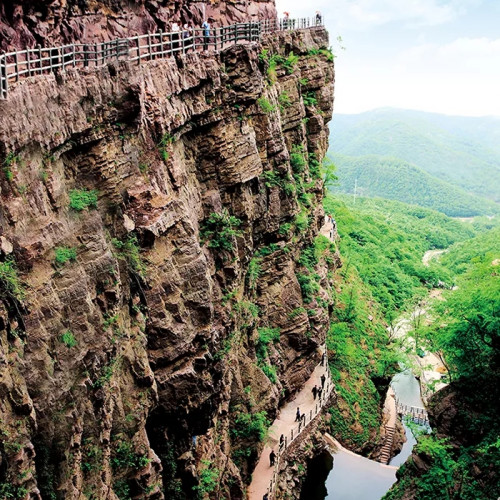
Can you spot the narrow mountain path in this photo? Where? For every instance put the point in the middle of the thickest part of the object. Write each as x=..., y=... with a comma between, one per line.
x=284, y=424
x=327, y=229
x=429, y=255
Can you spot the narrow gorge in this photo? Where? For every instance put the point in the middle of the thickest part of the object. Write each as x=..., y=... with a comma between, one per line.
x=155, y=307
x=189, y=306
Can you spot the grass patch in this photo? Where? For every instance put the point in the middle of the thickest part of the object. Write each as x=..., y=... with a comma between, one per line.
x=10, y=283
x=265, y=105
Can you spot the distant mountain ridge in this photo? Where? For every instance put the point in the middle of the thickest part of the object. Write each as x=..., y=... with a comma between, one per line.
x=395, y=179
x=461, y=156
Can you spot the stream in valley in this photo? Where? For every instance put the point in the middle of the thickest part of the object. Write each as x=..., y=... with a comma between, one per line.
x=347, y=476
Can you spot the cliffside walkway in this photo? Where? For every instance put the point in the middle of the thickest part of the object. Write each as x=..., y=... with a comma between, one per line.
x=265, y=477
x=22, y=64
x=329, y=228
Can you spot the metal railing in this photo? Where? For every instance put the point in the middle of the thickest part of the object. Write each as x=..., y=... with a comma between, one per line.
x=307, y=418
x=20, y=64
x=417, y=414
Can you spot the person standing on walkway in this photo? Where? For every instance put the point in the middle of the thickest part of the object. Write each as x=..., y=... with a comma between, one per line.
x=265, y=497
x=297, y=415
x=323, y=359
x=314, y=390
x=272, y=458
x=206, y=34
x=282, y=440
x=323, y=378
x=320, y=390
x=175, y=32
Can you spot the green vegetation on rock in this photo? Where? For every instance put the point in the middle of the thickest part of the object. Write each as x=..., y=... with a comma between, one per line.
x=81, y=199
x=68, y=339
x=220, y=230
x=10, y=283
x=64, y=254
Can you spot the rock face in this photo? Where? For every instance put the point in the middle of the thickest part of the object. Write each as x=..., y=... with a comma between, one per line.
x=28, y=23
x=152, y=222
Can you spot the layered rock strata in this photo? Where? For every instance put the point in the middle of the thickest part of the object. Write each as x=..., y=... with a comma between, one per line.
x=29, y=23
x=154, y=223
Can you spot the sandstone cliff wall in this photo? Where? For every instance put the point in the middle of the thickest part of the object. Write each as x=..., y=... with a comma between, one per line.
x=134, y=367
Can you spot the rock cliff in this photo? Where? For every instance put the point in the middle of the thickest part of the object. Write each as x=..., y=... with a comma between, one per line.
x=28, y=23
x=158, y=261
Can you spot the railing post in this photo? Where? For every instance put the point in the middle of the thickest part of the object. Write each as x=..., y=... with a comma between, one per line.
x=4, y=83
x=16, y=65
x=39, y=48
x=74, y=54
x=28, y=65
x=193, y=34
x=150, y=48
x=161, y=43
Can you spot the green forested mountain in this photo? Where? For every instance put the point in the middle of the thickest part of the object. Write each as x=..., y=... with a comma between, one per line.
x=399, y=180
x=464, y=152
x=382, y=243
x=385, y=241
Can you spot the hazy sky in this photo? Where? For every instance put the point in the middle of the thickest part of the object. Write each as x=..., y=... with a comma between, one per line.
x=432, y=55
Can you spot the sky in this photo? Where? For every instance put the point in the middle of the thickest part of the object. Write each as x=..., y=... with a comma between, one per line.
x=441, y=56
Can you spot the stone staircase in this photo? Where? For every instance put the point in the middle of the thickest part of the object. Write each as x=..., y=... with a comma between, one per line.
x=385, y=453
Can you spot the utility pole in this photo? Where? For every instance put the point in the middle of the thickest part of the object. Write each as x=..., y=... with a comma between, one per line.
x=355, y=189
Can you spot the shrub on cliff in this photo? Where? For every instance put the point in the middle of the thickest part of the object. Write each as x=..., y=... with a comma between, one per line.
x=130, y=251
x=251, y=425
x=10, y=284
x=81, y=199
x=220, y=230
x=64, y=254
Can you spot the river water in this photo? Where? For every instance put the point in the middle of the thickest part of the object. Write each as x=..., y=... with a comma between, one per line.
x=352, y=477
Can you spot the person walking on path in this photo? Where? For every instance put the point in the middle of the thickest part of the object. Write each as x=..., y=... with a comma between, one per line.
x=272, y=458
x=282, y=440
x=314, y=390
x=297, y=415
x=323, y=359
x=265, y=497
x=320, y=391
x=323, y=378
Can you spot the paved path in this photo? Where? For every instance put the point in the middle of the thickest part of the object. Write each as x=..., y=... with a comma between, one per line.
x=283, y=424
x=327, y=229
